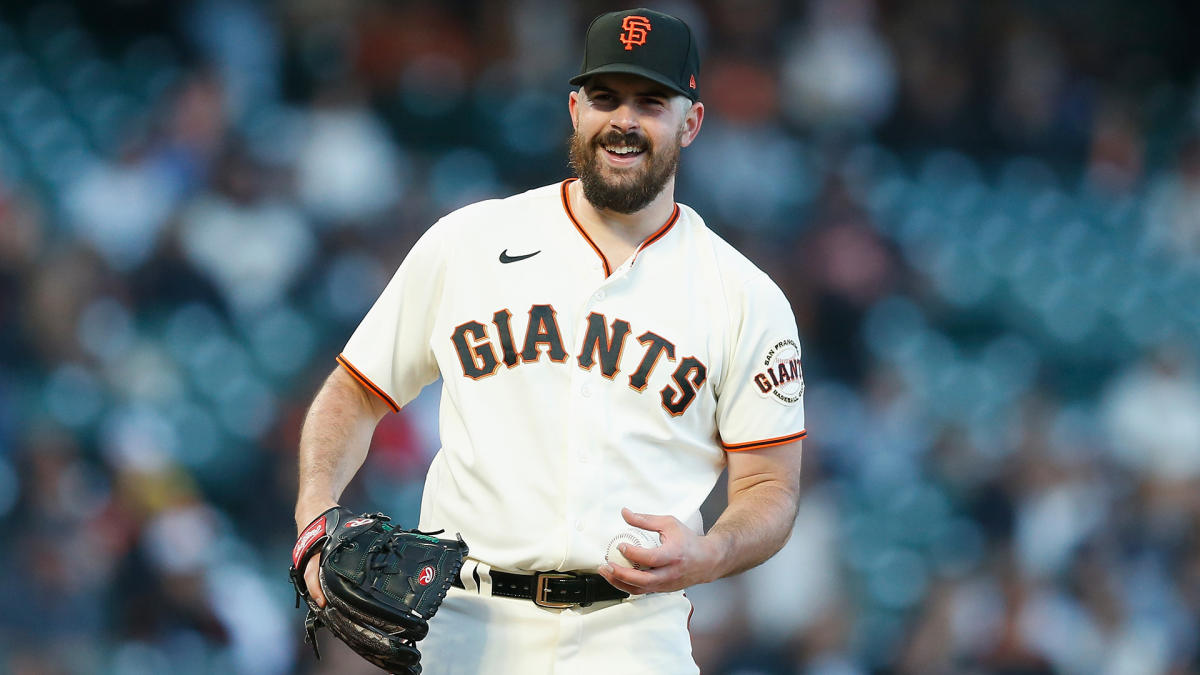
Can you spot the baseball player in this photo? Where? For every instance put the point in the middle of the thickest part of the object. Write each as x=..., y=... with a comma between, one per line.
x=604, y=356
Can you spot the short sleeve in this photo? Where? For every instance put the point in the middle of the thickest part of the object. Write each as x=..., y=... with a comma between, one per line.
x=390, y=352
x=761, y=398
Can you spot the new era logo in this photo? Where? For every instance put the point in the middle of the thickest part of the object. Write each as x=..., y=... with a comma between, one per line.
x=634, y=32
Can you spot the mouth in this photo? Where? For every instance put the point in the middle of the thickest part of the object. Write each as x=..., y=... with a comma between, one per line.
x=622, y=154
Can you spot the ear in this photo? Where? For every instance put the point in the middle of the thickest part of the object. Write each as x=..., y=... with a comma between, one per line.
x=692, y=120
x=573, y=107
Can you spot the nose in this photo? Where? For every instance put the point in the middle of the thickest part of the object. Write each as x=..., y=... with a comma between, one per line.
x=623, y=118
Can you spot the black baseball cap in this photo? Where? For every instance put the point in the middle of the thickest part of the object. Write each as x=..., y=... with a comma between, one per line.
x=643, y=42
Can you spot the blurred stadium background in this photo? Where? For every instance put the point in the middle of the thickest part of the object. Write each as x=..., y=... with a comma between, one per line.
x=987, y=215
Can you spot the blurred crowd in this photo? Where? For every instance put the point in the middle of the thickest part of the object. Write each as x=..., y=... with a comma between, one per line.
x=986, y=215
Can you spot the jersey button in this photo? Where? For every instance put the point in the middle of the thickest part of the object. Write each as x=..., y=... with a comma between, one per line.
x=585, y=391
x=599, y=295
x=579, y=526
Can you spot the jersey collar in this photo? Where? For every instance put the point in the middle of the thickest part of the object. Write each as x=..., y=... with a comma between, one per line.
x=658, y=234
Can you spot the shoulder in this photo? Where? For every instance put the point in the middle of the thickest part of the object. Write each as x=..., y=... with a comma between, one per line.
x=491, y=214
x=731, y=268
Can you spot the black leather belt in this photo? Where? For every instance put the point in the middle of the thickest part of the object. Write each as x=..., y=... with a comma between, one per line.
x=556, y=590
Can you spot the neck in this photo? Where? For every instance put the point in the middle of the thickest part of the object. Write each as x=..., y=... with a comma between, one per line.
x=631, y=228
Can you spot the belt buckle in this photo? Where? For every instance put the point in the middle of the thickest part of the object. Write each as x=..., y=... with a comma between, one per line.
x=539, y=595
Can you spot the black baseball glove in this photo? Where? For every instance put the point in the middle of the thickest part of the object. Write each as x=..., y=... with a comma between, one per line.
x=381, y=584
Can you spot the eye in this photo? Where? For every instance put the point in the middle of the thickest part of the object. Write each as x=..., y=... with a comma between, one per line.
x=654, y=102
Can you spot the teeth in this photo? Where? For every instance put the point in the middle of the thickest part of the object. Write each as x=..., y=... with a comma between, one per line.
x=621, y=149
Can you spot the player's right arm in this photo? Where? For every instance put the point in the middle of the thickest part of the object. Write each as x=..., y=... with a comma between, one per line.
x=385, y=364
x=334, y=441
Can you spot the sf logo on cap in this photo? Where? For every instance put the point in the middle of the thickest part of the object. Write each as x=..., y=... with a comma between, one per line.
x=635, y=28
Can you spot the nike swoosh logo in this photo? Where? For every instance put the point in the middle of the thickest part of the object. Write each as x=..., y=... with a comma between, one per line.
x=506, y=258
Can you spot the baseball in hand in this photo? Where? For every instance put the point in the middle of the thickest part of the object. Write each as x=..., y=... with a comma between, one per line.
x=633, y=537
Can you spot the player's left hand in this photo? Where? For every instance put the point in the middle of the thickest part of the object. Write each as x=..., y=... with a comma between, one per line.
x=684, y=559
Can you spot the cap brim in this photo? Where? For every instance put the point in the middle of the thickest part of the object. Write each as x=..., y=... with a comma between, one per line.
x=631, y=69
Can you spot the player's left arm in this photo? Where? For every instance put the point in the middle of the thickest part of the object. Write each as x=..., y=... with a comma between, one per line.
x=764, y=494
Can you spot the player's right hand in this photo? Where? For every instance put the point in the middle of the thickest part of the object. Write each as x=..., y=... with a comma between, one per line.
x=304, y=515
x=312, y=579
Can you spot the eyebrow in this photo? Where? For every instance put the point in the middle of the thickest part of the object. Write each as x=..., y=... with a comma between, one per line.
x=657, y=92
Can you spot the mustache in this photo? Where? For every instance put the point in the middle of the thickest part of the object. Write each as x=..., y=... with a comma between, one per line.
x=633, y=140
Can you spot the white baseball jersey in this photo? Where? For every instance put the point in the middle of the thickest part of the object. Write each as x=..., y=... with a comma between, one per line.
x=571, y=389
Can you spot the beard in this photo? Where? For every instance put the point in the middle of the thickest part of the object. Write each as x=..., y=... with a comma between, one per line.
x=622, y=191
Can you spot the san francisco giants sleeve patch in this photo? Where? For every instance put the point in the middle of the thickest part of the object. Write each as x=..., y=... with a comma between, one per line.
x=781, y=376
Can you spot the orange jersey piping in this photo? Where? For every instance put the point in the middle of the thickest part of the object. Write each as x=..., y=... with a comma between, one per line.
x=765, y=443
x=366, y=382
x=571, y=214
x=566, y=201
x=659, y=234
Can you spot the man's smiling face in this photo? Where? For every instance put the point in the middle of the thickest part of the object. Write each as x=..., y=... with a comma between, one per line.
x=628, y=134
